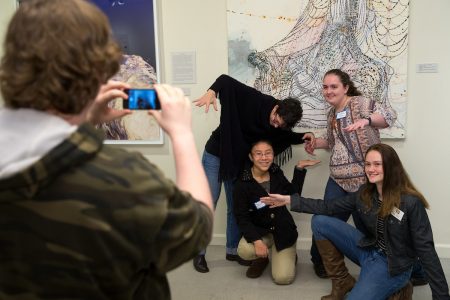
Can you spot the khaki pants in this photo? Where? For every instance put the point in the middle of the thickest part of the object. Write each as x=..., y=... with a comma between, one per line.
x=282, y=263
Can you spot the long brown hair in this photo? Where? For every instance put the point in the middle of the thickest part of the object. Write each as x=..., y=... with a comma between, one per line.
x=57, y=54
x=396, y=182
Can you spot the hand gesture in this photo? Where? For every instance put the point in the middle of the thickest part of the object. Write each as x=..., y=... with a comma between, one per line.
x=359, y=124
x=276, y=200
x=310, y=142
x=206, y=100
x=99, y=111
x=307, y=163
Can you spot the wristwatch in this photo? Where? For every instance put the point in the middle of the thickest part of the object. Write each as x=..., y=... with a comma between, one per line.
x=368, y=119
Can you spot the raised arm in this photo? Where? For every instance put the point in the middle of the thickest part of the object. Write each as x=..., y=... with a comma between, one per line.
x=300, y=173
x=231, y=90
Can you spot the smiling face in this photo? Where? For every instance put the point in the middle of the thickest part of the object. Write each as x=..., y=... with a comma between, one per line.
x=374, y=168
x=333, y=90
x=262, y=156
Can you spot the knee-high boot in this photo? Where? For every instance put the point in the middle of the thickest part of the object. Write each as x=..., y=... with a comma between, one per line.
x=334, y=264
x=404, y=294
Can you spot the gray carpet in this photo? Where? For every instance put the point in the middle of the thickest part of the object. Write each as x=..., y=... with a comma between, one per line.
x=226, y=281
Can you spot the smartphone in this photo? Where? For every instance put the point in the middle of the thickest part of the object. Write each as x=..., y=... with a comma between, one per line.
x=141, y=99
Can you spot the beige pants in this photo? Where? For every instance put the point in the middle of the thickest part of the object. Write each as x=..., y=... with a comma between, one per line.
x=282, y=263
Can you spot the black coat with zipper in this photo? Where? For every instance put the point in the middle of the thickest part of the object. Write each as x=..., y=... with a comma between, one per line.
x=256, y=223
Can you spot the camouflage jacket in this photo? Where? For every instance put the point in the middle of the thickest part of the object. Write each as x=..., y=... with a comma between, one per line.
x=89, y=221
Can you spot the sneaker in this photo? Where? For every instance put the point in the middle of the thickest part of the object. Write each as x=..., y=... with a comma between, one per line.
x=320, y=271
x=200, y=264
x=257, y=267
x=238, y=259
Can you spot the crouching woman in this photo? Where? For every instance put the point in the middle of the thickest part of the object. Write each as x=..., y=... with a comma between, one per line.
x=267, y=230
x=398, y=232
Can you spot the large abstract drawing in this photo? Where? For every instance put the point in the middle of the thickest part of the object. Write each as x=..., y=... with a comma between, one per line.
x=284, y=48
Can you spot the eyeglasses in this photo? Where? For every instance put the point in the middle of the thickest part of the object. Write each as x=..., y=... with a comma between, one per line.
x=261, y=154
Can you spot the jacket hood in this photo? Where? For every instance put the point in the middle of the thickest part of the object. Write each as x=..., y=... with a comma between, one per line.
x=39, y=147
x=26, y=135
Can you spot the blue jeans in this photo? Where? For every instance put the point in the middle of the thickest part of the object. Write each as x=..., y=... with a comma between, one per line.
x=211, y=164
x=418, y=272
x=334, y=191
x=374, y=281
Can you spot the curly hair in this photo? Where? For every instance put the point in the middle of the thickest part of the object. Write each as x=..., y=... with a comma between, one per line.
x=290, y=110
x=346, y=81
x=57, y=55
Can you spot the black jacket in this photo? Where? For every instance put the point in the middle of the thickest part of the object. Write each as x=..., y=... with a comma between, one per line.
x=256, y=223
x=406, y=239
x=244, y=120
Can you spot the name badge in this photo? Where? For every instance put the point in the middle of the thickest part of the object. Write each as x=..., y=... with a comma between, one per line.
x=259, y=204
x=397, y=213
x=341, y=115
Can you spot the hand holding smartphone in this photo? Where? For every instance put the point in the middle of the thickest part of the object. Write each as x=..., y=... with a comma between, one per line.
x=141, y=99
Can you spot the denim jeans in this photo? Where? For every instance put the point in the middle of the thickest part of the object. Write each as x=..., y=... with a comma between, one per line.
x=374, y=281
x=418, y=272
x=211, y=164
x=334, y=191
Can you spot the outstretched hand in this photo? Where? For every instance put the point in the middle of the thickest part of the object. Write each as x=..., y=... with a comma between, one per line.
x=359, y=124
x=276, y=200
x=307, y=163
x=99, y=111
x=206, y=100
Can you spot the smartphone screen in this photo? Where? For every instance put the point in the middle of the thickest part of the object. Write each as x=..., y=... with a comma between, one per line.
x=141, y=99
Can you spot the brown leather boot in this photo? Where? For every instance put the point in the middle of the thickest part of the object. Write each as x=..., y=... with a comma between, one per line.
x=257, y=267
x=404, y=294
x=333, y=261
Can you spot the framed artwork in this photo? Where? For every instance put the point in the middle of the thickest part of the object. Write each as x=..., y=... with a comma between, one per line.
x=134, y=25
x=284, y=48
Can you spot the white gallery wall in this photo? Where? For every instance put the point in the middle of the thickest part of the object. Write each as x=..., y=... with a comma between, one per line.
x=200, y=26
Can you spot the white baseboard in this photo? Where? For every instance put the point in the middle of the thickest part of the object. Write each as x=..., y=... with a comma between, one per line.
x=443, y=250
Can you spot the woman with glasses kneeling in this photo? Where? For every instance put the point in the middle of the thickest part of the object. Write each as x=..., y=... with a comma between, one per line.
x=398, y=232
x=264, y=228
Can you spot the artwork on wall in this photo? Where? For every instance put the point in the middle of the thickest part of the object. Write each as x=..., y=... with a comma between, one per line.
x=134, y=25
x=284, y=48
